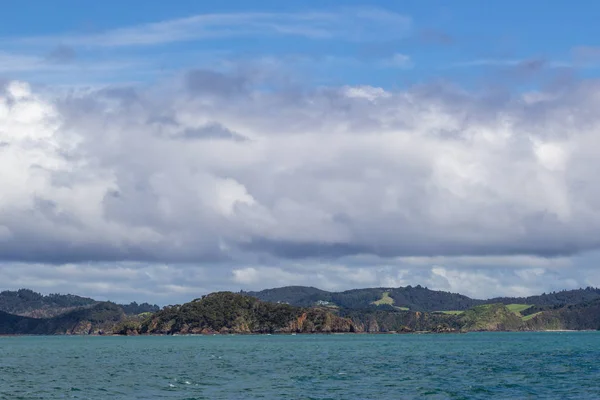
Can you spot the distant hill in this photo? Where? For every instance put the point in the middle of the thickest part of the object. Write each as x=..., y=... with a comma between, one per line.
x=25, y=302
x=301, y=296
x=415, y=298
x=134, y=308
x=561, y=298
x=95, y=319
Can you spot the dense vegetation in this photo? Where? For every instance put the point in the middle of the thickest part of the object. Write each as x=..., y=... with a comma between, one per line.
x=557, y=299
x=134, y=308
x=228, y=312
x=582, y=316
x=302, y=296
x=416, y=298
x=96, y=319
x=25, y=302
x=29, y=303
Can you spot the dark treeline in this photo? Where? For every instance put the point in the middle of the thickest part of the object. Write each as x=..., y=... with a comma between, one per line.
x=25, y=302
x=415, y=298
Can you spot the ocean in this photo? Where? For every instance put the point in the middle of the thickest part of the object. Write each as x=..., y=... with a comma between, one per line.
x=543, y=365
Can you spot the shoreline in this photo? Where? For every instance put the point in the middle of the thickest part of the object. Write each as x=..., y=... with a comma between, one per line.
x=293, y=334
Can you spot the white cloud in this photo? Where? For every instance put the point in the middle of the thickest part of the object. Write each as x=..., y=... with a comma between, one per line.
x=231, y=193
x=353, y=24
x=488, y=261
x=401, y=174
x=215, y=171
x=553, y=156
x=255, y=277
x=25, y=63
x=366, y=92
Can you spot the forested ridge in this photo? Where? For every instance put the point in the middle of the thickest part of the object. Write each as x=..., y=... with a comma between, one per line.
x=300, y=309
x=415, y=298
x=26, y=302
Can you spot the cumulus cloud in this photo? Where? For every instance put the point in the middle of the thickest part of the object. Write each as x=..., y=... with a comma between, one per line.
x=262, y=182
x=106, y=176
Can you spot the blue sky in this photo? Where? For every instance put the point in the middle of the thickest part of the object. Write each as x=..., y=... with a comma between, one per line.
x=472, y=43
x=156, y=151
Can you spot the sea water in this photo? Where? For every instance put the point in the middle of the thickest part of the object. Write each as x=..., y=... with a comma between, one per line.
x=553, y=365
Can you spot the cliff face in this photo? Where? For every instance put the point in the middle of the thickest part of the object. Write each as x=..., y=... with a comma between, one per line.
x=375, y=321
x=28, y=303
x=320, y=321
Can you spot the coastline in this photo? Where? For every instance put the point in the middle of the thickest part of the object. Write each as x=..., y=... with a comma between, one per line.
x=295, y=334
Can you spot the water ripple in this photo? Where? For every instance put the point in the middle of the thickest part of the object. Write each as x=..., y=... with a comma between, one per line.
x=471, y=366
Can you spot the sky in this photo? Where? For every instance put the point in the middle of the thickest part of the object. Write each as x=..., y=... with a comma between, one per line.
x=157, y=151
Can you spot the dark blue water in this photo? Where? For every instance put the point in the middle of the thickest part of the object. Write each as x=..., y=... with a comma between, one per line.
x=556, y=365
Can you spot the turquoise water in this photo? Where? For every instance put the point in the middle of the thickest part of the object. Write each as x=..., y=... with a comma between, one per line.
x=557, y=365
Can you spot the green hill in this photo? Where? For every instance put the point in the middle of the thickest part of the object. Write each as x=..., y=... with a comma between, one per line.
x=27, y=303
x=416, y=298
x=302, y=296
x=490, y=317
x=97, y=319
x=559, y=299
x=227, y=312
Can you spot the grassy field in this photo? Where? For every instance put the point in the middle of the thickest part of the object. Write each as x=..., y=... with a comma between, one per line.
x=528, y=317
x=145, y=314
x=517, y=308
x=514, y=308
x=452, y=312
x=385, y=299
